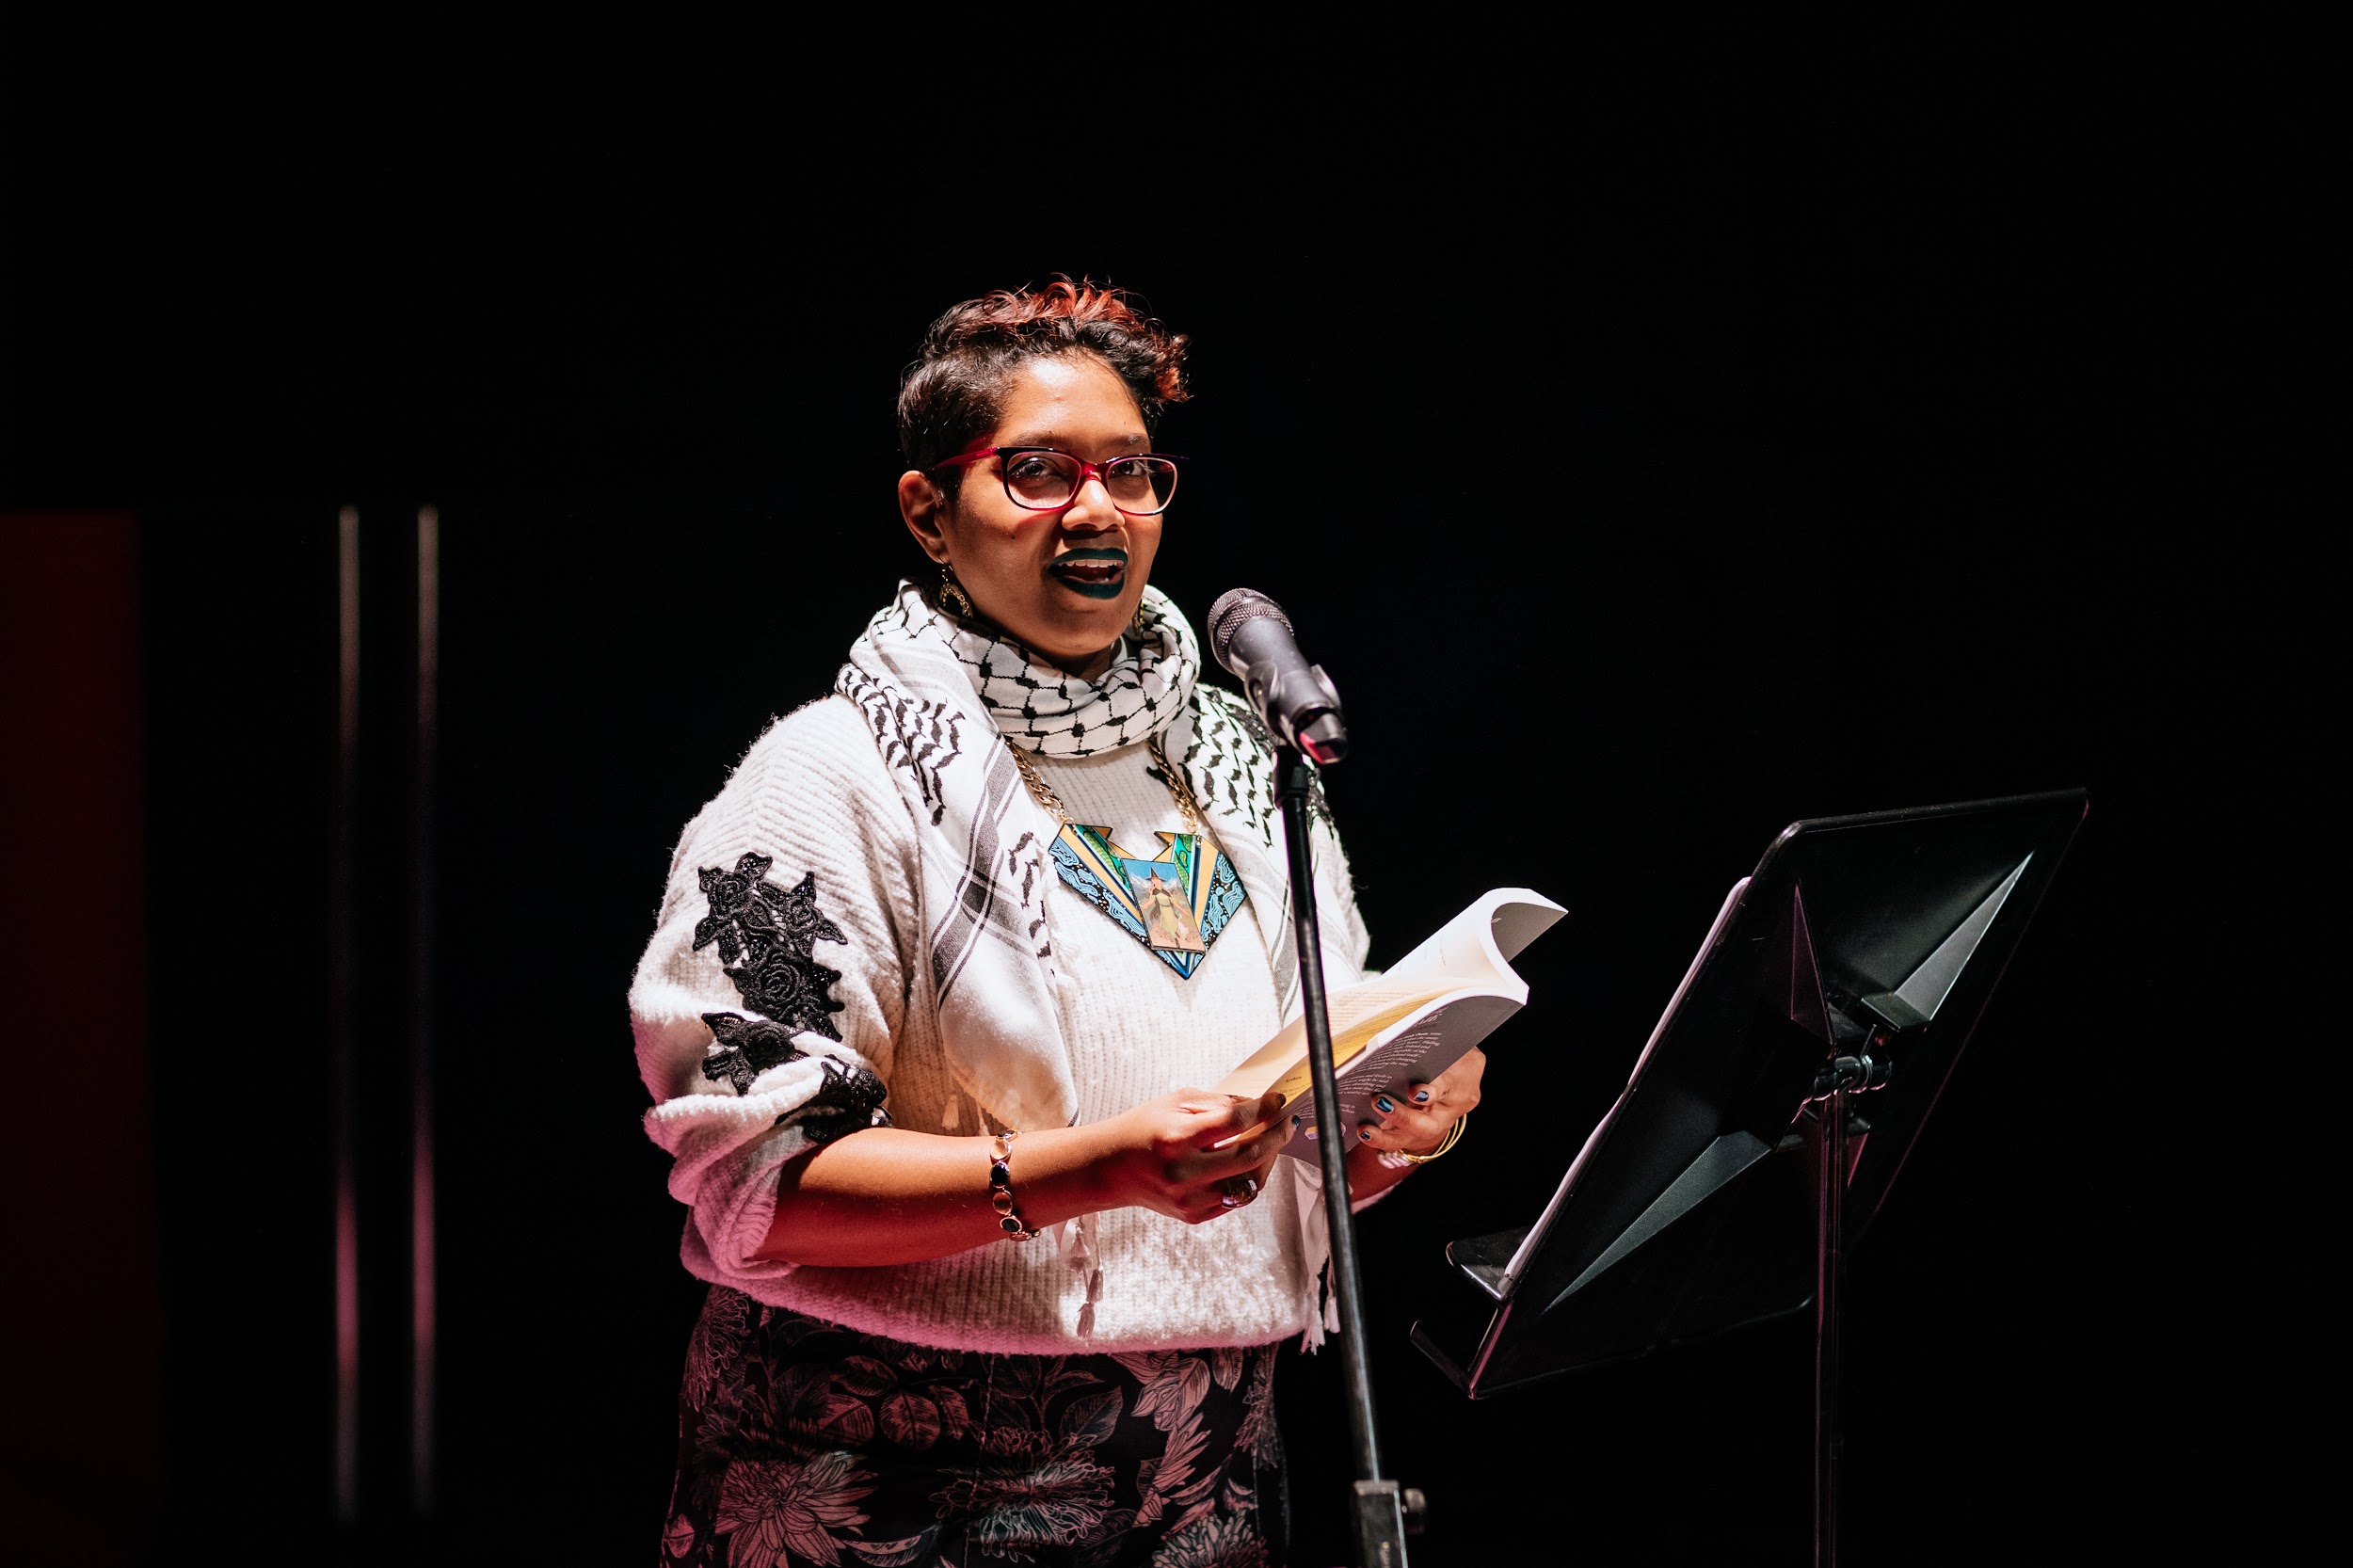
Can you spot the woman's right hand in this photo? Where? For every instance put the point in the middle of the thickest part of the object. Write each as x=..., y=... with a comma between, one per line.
x=1193, y=1155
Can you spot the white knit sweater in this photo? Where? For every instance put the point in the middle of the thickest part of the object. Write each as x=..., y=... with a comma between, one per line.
x=812, y=795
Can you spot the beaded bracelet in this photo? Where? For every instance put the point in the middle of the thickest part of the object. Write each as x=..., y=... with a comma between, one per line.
x=1000, y=1188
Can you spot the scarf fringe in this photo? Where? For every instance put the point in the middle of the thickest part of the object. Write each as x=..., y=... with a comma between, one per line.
x=1079, y=1244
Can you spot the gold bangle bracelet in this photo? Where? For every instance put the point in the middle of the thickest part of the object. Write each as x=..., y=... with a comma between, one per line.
x=1453, y=1135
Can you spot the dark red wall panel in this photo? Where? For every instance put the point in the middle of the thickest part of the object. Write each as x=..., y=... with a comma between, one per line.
x=81, y=1351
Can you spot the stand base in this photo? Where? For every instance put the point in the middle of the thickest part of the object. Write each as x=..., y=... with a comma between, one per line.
x=1381, y=1523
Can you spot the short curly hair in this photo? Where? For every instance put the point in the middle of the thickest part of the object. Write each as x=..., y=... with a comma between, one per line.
x=955, y=388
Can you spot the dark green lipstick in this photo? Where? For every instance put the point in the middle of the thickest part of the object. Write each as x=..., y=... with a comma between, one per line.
x=1097, y=573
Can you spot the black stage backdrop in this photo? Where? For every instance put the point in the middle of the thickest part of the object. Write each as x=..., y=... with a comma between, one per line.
x=1646, y=475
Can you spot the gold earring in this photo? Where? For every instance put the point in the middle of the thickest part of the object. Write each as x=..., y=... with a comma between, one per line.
x=953, y=597
x=1136, y=628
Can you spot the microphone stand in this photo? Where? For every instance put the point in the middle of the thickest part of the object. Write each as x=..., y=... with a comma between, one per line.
x=1378, y=1507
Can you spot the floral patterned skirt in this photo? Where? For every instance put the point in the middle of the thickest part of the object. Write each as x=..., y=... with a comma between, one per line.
x=803, y=1442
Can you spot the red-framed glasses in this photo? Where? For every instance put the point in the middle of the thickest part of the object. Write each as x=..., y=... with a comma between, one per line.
x=1045, y=480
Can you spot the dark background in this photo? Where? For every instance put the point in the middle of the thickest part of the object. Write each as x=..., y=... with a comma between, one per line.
x=1650, y=468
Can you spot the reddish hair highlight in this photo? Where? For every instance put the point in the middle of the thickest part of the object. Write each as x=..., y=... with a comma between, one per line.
x=954, y=388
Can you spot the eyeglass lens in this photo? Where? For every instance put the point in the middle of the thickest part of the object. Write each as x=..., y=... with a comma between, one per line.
x=1041, y=480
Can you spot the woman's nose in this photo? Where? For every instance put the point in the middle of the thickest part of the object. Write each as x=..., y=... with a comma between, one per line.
x=1091, y=509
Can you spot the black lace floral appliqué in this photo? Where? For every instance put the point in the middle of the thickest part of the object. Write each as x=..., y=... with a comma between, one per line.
x=848, y=1096
x=746, y=1049
x=851, y=1097
x=774, y=931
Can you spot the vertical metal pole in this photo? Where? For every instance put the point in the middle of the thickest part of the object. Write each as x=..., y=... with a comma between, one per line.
x=421, y=861
x=1830, y=1270
x=1377, y=1506
x=341, y=1058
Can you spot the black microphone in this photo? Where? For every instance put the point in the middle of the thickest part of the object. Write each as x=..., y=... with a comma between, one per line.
x=1251, y=638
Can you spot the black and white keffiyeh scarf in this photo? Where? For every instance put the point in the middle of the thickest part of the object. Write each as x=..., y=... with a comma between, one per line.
x=938, y=693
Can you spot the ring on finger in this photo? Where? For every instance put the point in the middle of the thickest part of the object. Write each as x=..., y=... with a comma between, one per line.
x=1237, y=1191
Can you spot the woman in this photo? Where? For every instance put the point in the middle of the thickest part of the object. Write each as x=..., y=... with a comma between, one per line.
x=936, y=971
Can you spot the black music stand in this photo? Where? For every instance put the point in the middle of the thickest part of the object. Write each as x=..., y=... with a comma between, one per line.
x=1824, y=1012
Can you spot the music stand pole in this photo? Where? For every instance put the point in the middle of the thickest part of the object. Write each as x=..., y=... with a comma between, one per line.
x=1830, y=1278
x=1377, y=1508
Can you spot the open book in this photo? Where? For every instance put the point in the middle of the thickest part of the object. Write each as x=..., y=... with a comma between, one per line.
x=1411, y=1023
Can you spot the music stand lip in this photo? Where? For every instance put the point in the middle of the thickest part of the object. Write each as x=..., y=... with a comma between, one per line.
x=1953, y=861
x=1924, y=813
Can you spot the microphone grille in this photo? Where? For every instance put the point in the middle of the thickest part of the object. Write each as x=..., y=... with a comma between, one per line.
x=1235, y=606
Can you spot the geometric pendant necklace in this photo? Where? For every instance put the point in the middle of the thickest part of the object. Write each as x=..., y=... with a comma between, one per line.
x=1176, y=900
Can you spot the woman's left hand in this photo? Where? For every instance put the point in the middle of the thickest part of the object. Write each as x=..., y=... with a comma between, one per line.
x=1417, y=1121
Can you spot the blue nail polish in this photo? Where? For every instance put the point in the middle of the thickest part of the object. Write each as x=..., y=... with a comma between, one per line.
x=1297, y=1118
x=1421, y=1096
x=1364, y=1135
x=1386, y=1106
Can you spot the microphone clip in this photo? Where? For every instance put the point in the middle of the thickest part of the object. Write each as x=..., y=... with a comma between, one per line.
x=1303, y=709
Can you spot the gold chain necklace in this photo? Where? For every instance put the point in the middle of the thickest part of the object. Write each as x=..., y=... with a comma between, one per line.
x=1187, y=808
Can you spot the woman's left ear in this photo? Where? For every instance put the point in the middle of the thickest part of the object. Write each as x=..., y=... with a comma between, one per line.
x=921, y=506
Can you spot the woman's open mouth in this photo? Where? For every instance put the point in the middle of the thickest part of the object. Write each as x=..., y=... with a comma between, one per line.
x=1097, y=573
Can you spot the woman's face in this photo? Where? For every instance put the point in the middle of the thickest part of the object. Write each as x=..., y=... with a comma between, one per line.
x=1064, y=584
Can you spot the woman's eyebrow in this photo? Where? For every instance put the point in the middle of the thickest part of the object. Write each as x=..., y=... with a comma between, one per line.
x=1137, y=442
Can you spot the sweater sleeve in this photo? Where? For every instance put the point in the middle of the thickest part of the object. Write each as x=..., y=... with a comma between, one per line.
x=766, y=1005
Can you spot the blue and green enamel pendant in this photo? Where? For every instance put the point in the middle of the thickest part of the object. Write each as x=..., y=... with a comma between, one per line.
x=1175, y=902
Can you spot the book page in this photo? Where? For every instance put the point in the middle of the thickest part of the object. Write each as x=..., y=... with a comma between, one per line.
x=1467, y=955
x=1418, y=1045
x=1476, y=947
x=1359, y=1013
